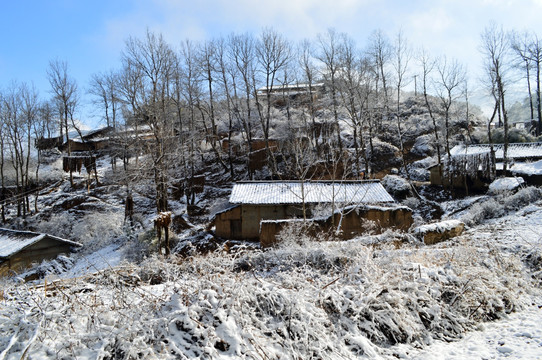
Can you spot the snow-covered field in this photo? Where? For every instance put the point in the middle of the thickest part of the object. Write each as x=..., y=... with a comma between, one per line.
x=382, y=296
x=519, y=336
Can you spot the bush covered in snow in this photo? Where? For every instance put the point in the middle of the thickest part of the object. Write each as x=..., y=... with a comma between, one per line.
x=385, y=155
x=94, y=230
x=515, y=135
x=397, y=186
x=499, y=205
x=419, y=170
x=315, y=300
x=424, y=145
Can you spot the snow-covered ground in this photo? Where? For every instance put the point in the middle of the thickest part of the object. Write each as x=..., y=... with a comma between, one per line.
x=377, y=297
x=519, y=336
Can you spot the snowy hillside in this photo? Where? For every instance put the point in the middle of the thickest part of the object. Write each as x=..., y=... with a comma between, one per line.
x=382, y=296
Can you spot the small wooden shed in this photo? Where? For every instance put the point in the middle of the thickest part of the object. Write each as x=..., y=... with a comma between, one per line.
x=19, y=249
x=253, y=202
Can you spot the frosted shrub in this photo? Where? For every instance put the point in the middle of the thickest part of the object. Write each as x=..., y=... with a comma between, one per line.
x=514, y=136
x=498, y=206
x=411, y=202
x=59, y=225
x=323, y=300
x=424, y=145
x=135, y=250
x=522, y=198
x=396, y=185
x=96, y=230
x=295, y=233
x=482, y=211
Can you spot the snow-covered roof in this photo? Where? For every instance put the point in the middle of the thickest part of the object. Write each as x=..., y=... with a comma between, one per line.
x=297, y=192
x=13, y=241
x=99, y=131
x=515, y=150
x=526, y=168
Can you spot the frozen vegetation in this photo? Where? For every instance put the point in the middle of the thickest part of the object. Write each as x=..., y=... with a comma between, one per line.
x=382, y=296
x=190, y=122
x=377, y=296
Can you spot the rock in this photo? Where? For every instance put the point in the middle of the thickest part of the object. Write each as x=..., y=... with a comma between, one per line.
x=506, y=184
x=440, y=231
x=423, y=146
x=396, y=186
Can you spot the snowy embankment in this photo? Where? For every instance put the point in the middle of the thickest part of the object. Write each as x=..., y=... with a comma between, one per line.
x=305, y=299
x=519, y=336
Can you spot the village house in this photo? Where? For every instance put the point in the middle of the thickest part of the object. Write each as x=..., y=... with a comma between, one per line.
x=93, y=140
x=88, y=140
x=292, y=89
x=258, y=208
x=474, y=167
x=97, y=140
x=20, y=249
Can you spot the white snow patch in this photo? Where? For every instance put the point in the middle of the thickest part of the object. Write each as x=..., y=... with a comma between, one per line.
x=439, y=227
x=107, y=257
x=506, y=184
x=534, y=168
x=517, y=337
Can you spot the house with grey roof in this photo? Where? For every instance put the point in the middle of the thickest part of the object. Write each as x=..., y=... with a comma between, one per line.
x=473, y=166
x=20, y=249
x=255, y=207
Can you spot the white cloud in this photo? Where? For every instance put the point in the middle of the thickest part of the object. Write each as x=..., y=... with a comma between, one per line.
x=434, y=21
x=178, y=20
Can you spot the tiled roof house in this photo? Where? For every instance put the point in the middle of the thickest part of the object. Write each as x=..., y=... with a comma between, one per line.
x=254, y=202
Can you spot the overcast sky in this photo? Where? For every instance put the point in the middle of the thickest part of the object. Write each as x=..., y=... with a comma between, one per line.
x=89, y=34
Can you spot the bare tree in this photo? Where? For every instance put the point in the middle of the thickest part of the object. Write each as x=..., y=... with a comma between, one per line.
x=64, y=89
x=521, y=46
x=380, y=51
x=528, y=50
x=427, y=66
x=535, y=54
x=47, y=116
x=30, y=112
x=329, y=48
x=131, y=92
x=379, y=54
x=353, y=73
x=19, y=112
x=309, y=71
x=227, y=79
x=451, y=77
x=242, y=55
x=103, y=86
x=401, y=58
x=208, y=63
x=191, y=90
x=272, y=55
x=153, y=59
x=495, y=48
